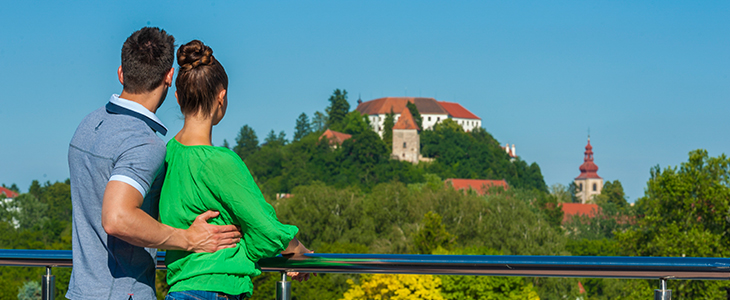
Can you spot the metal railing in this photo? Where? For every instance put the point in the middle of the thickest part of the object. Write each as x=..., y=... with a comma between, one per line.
x=662, y=268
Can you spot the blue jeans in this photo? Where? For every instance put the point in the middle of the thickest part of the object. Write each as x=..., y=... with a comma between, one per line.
x=201, y=295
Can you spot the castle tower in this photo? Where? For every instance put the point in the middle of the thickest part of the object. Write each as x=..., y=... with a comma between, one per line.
x=406, y=142
x=588, y=183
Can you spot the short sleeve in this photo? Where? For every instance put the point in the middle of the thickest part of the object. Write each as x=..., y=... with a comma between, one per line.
x=231, y=182
x=139, y=164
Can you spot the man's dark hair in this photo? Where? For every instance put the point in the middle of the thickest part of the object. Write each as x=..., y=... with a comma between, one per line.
x=147, y=55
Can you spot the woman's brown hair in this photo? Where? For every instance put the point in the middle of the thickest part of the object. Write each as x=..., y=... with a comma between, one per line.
x=199, y=78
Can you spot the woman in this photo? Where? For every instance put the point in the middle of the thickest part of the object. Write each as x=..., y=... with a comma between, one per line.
x=200, y=177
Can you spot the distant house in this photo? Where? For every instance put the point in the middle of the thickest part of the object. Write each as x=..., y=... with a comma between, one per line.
x=9, y=194
x=406, y=141
x=480, y=186
x=574, y=209
x=431, y=111
x=335, y=138
x=461, y=115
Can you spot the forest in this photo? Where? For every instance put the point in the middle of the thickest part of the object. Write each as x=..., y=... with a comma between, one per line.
x=355, y=199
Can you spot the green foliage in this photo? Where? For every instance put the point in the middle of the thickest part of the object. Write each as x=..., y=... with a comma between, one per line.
x=612, y=193
x=475, y=155
x=39, y=219
x=338, y=108
x=302, y=128
x=416, y=115
x=685, y=215
x=246, y=142
x=484, y=287
x=31, y=290
x=225, y=144
x=388, y=124
x=274, y=140
x=319, y=122
x=432, y=235
x=354, y=123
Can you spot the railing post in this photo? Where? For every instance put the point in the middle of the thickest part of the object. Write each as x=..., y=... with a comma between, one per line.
x=283, y=288
x=48, y=285
x=663, y=293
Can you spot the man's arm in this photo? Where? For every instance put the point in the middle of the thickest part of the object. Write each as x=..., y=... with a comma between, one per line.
x=122, y=217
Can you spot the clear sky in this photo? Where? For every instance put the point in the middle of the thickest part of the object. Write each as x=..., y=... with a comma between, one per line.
x=649, y=78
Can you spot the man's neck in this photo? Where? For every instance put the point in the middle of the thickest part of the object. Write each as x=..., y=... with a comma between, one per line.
x=150, y=100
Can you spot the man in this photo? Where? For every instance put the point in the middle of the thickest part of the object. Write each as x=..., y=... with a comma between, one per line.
x=114, y=160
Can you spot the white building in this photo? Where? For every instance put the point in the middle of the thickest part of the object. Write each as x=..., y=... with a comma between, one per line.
x=588, y=183
x=432, y=112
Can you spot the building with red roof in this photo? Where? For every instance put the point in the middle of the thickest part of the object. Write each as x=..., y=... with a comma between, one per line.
x=335, y=138
x=461, y=115
x=8, y=193
x=406, y=141
x=588, y=183
x=432, y=112
x=480, y=186
x=578, y=209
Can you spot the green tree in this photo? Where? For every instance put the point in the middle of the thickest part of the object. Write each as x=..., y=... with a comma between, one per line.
x=31, y=290
x=319, y=122
x=225, y=144
x=388, y=130
x=685, y=215
x=572, y=189
x=302, y=128
x=274, y=140
x=246, y=142
x=561, y=193
x=338, y=108
x=432, y=235
x=416, y=115
x=484, y=287
x=354, y=123
x=613, y=192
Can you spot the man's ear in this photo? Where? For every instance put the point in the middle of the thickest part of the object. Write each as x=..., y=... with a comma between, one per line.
x=168, y=76
x=120, y=74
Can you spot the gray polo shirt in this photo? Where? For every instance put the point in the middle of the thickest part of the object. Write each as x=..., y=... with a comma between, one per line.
x=115, y=142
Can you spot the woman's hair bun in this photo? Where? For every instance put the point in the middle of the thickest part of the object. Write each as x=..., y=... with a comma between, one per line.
x=194, y=54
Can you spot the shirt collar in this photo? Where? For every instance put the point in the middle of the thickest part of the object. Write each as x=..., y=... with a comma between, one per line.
x=126, y=107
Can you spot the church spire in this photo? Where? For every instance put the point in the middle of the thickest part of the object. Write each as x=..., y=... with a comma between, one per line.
x=588, y=169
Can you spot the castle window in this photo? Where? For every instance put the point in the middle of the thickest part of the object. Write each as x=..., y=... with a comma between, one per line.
x=404, y=144
x=580, y=187
x=595, y=187
x=429, y=118
x=438, y=119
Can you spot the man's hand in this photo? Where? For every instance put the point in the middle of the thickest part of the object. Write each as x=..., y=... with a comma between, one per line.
x=204, y=237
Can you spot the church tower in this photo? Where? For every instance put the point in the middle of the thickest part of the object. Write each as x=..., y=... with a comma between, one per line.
x=588, y=183
x=406, y=142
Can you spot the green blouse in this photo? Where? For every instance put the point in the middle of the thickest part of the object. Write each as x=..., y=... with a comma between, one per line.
x=201, y=178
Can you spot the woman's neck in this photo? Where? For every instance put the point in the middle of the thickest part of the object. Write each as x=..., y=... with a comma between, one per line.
x=196, y=131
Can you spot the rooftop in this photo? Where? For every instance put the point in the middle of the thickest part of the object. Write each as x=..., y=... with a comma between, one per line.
x=480, y=186
x=385, y=105
x=457, y=111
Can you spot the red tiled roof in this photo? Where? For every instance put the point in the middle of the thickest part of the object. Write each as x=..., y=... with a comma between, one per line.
x=335, y=137
x=481, y=186
x=8, y=193
x=405, y=121
x=457, y=111
x=397, y=104
x=572, y=209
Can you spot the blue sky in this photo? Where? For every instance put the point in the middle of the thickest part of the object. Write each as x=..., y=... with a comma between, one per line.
x=651, y=79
